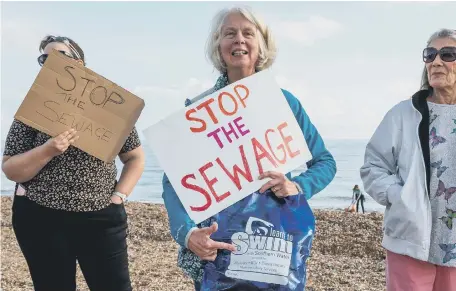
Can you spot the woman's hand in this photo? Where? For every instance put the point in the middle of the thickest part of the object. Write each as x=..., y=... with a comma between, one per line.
x=59, y=144
x=23, y=167
x=280, y=185
x=203, y=246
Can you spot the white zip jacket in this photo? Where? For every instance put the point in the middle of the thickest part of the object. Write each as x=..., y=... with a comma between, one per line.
x=396, y=174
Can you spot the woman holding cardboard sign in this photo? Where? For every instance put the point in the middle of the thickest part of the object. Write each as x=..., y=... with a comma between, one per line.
x=68, y=205
x=239, y=46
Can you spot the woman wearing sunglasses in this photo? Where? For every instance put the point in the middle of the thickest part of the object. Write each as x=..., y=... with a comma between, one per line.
x=68, y=205
x=64, y=45
x=410, y=167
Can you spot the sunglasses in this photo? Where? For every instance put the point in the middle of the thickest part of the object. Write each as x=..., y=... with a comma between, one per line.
x=447, y=54
x=43, y=57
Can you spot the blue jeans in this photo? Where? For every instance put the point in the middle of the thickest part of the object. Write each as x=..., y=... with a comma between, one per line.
x=197, y=286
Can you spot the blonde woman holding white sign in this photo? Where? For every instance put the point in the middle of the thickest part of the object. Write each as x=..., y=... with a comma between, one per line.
x=68, y=205
x=239, y=46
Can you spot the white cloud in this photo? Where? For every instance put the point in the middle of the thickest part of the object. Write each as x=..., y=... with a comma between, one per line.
x=307, y=32
x=16, y=33
x=25, y=34
x=404, y=88
x=163, y=101
x=347, y=98
x=294, y=86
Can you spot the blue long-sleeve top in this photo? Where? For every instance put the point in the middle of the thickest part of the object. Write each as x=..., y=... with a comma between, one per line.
x=321, y=170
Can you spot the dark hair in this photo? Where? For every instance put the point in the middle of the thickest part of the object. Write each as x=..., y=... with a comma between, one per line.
x=52, y=38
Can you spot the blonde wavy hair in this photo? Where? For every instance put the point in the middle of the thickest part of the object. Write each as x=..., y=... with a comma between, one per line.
x=267, y=48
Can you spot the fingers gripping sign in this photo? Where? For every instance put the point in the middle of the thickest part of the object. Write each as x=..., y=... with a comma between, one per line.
x=279, y=184
x=60, y=143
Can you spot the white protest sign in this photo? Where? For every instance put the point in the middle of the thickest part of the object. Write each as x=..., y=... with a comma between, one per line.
x=214, y=150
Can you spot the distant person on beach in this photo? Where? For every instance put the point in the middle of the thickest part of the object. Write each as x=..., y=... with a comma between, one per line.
x=358, y=197
x=68, y=205
x=410, y=167
x=240, y=45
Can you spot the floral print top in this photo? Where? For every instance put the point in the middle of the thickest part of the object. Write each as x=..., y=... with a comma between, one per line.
x=73, y=181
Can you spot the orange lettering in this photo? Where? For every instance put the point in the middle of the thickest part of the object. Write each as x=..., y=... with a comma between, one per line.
x=242, y=99
x=222, y=107
x=189, y=118
x=206, y=106
x=287, y=140
x=280, y=147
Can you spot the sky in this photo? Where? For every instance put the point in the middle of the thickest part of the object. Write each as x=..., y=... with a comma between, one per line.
x=347, y=62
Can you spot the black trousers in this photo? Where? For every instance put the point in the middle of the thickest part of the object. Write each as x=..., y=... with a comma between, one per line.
x=53, y=240
x=362, y=204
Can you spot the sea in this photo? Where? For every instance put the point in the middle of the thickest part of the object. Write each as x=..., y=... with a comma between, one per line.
x=349, y=155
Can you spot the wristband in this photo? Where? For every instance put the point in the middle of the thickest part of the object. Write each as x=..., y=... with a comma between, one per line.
x=121, y=195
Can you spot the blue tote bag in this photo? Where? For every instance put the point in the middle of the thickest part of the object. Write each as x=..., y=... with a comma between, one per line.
x=273, y=237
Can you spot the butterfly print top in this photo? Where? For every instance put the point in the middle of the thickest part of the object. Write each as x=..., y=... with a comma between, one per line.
x=442, y=144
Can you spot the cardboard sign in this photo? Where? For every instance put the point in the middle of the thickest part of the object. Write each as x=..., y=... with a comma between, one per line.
x=68, y=95
x=214, y=150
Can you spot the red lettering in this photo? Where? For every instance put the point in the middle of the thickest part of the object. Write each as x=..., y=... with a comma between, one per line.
x=189, y=118
x=210, y=183
x=287, y=140
x=197, y=189
x=281, y=147
x=236, y=170
x=259, y=157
